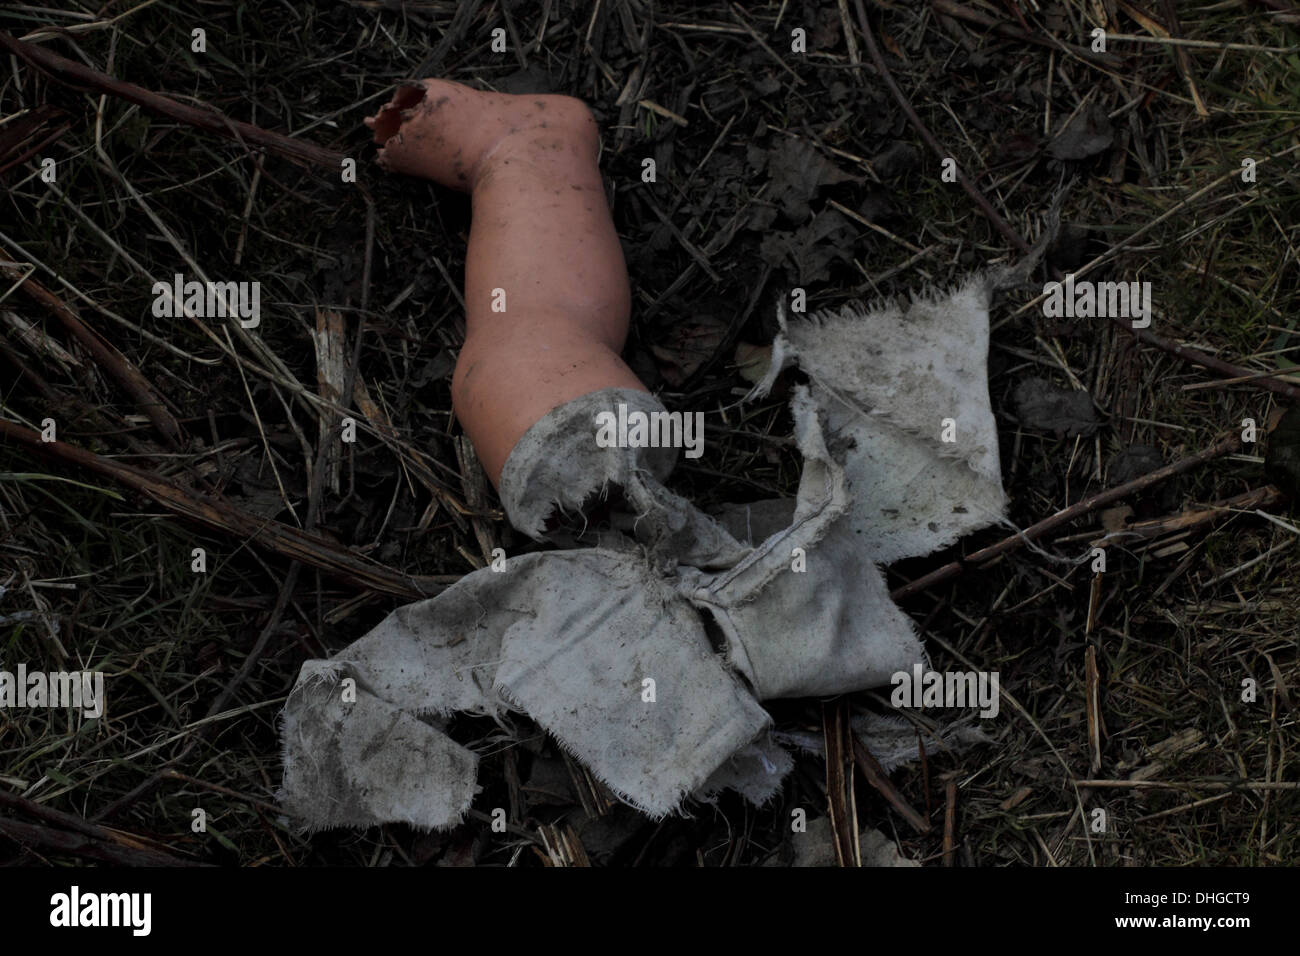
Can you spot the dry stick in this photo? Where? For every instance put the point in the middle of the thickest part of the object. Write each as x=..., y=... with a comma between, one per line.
x=1224, y=383
x=251, y=660
x=1186, y=353
x=1193, y=784
x=515, y=45
x=1180, y=57
x=282, y=600
x=219, y=514
x=218, y=788
x=950, y=823
x=780, y=61
x=1010, y=543
x=1182, y=808
x=976, y=196
x=1093, y=705
x=215, y=513
x=94, y=417
x=727, y=344
x=1266, y=496
x=1181, y=351
x=117, y=365
x=83, y=77
x=455, y=32
x=842, y=804
x=1226, y=369
x=269, y=628
x=877, y=777
x=43, y=388
x=25, y=127
x=79, y=844
x=143, y=851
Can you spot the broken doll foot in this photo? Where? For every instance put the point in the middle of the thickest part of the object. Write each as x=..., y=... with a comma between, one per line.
x=452, y=134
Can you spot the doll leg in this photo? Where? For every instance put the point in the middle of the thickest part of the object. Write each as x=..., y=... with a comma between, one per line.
x=546, y=288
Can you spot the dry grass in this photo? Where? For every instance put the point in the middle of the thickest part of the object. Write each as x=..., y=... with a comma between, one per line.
x=198, y=664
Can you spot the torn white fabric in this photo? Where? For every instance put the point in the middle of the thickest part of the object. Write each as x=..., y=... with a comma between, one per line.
x=557, y=468
x=570, y=638
x=805, y=612
x=755, y=772
x=353, y=759
x=905, y=393
x=608, y=648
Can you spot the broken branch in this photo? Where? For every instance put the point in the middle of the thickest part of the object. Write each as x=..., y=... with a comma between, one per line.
x=118, y=366
x=877, y=777
x=1010, y=543
x=842, y=806
x=222, y=516
x=76, y=75
x=71, y=834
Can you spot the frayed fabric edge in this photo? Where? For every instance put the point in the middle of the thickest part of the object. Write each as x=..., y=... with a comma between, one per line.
x=653, y=812
x=334, y=670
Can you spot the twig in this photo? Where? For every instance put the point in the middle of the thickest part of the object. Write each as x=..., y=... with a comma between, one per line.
x=780, y=61
x=1010, y=543
x=218, y=788
x=75, y=835
x=18, y=134
x=950, y=823
x=78, y=844
x=455, y=32
x=976, y=196
x=1193, y=784
x=516, y=47
x=1180, y=351
x=842, y=803
x=691, y=249
x=1225, y=382
x=1160, y=814
x=1226, y=369
x=1180, y=57
x=1093, y=706
x=117, y=365
x=216, y=513
x=1266, y=496
x=877, y=777
x=79, y=76
x=849, y=39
